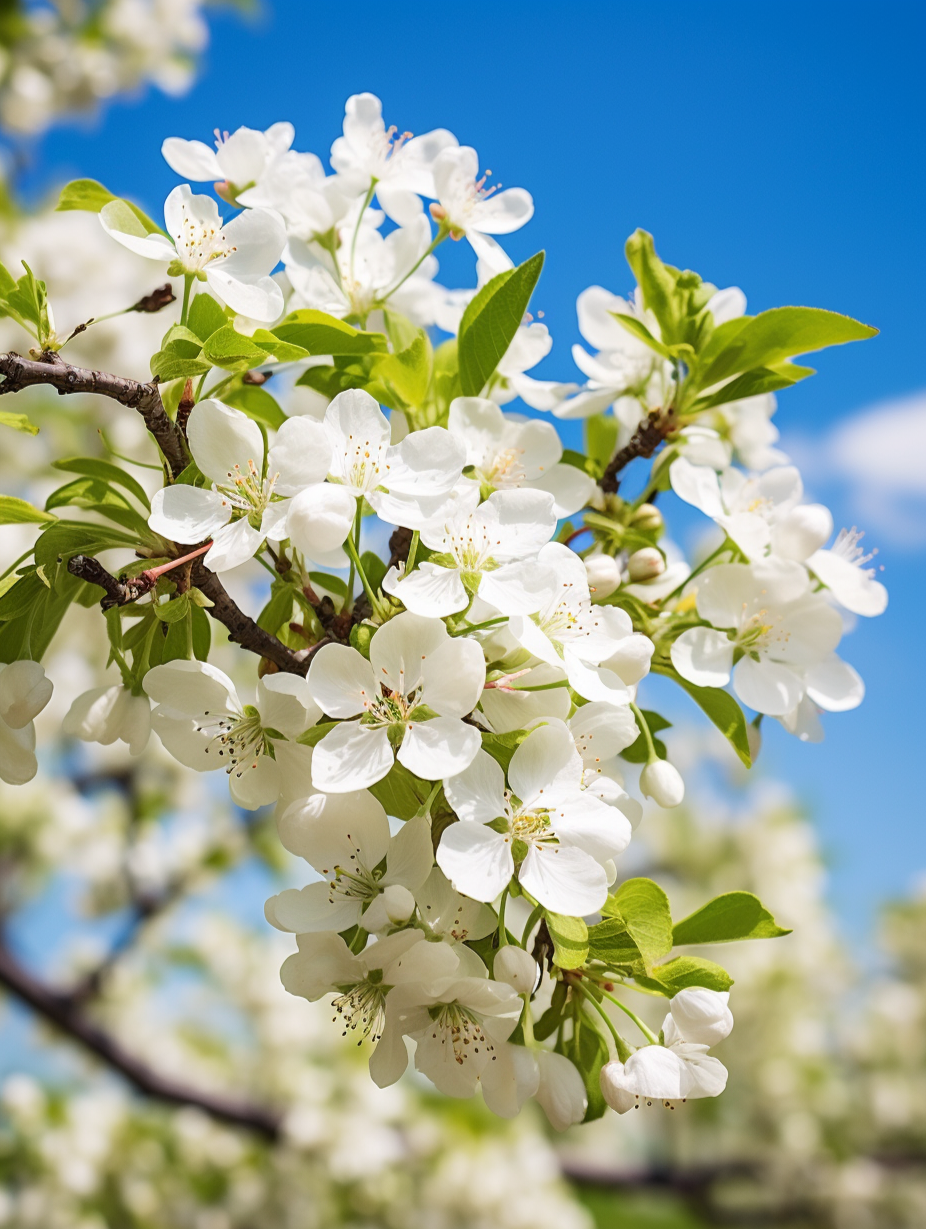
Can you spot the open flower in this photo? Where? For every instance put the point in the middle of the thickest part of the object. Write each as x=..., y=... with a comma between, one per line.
x=239, y=161
x=507, y=452
x=346, y=837
x=409, y=698
x=400, y=167
x=407, y=483
x=235, y=258
x=491, y=551
x=460, y=1027
x=774, y=630
x=531, y=343
x=469, y=208
x=105, y=714
x=324, y=964
x=555, y=834
x=24, y=692
x=203, y=724
x=596, y=645
x=248, y=503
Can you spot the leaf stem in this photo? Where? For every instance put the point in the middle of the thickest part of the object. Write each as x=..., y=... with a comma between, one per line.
x=647, y=1033
x=502, y=931
x=536, y=915
x=645, y=731
x=623, y=1049
x=185, y=307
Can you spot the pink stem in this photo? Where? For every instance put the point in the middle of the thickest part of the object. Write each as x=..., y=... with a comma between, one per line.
x=152, y=574
x=502, y=683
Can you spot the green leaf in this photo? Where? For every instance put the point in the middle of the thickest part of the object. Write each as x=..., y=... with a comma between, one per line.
x=316, y=733
x=257, y=403
x=18, y=422
x=318, y=333
x=686, y=971
x=407, y=373
x=491, y=320
x=63, y=540
x=570, y=940
x=773, y=336
x=374, y=569
x=279, y=608
x=611, y=942
x=232, y=350
x=657, y=281
x=180, y=359
x=720, y=706
x=29, y=300
x=91, y=197
x=205, y=317
x=201, y=631
x=401, y=793
x=644, y=908
x=601, y=438
x=33, y=612
x=85, y=493
x=549, y=1022
x=727, y=918
x=399, y=329
x=172, y=611
x=502, y=747
x=634, y=325
x=754, y=384
x=15, y=511
x=96, y=467
x=588, y=1049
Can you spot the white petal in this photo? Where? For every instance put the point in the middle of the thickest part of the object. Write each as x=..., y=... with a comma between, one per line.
x=341, y=681
x=255, y=784
x=545, y=765
x=224, y=441
x=477, y=794
x=510, y=1080
x=438, y=748
x=401, y=647
x=351, y=757
x=17, y=754
x=802, y=531
x=697, y=485
x=257, y=238
x=121, y=224
x=259, y=298
x=194, y=688
x=656, y=1073
x=329, y=830
x=703, y=656
x=187, y=514
x=767, y=686
x=476, y=860
x=410, y=858
x=311, y=909
x=453, y=676
x=834, y=685
x=319, y=519
x=353, y=417
x=24, y=692
x=300, y=455
x=193, y=160
x=425, y=462
x=285, y=703
x=561, y=1093
x=702, y=1016
x=503, y=212
x=322, y=963
x=565, y=879
x=570, y=487
x=584, y=820
x=430, y=590
x=233, y=545
x=850, y=585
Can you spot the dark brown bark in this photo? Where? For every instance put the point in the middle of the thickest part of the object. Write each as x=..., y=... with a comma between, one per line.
x=22, y=373
x=70, y=1018
x=643, y=443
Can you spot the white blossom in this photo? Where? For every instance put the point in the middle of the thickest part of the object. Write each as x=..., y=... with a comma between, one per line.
x=105, y=714
x=24, y=692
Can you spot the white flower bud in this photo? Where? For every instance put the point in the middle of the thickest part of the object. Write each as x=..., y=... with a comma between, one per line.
x=561, y=1093
x=645, y=564
x=108, y=713
x=662, y=782
x=614, y=1090
x=399, y=903
x=516, y=967
x=647, y=518
x=24, y=692
x=701, y=1015
x=604, y=575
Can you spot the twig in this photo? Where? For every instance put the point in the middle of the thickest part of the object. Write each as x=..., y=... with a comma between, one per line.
x=22, y=373
x=643, y=443
x=72, y=1020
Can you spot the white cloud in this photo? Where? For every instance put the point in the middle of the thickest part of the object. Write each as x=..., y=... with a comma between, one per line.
x=879, y=454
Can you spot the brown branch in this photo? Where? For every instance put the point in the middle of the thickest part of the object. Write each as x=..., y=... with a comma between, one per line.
x=20, y=373
x=643, y=443
x=70, y=1018
x=242, y=628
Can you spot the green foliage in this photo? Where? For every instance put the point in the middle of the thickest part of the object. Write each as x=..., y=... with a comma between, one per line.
x=401, y=792
x=491, y=321
x=588, y=1049
x=17, y=422
x=643, y=907
x=685, y=971
x=726, y=918
x=15, y=511
x=638, y=752
x=318, y=333
x=91, y=197
x=570, y=939
x=26, y=302
x=108, y=473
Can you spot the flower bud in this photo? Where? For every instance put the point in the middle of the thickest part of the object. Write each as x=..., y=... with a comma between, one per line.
x=614, y=1090
x=561, y=1093
x=662, y=782
x=645, y=564
x=24, y=692
x=604, y=575
x=516, y=967
x=701, y=1015
x=399, y=903
x=647, y=518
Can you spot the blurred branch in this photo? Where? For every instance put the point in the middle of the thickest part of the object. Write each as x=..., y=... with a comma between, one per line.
x=60, y=1010
x=23, y=373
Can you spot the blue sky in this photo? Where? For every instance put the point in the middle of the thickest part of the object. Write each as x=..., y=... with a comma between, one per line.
x=777, y=147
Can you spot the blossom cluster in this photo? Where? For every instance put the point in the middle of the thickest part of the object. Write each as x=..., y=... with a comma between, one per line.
x=447, y=727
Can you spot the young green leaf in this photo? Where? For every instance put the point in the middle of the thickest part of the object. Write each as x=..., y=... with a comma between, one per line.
x=15, y=511
x=612, y=943
x=401, y=793
x=318, y=333
x=205, y=317
x=644, y=909
x=18, y=422
x=720, y=706
x=686, y=971
x=491, y=321
x=91, y=197
x=754, y=384
x=96, y=467
x=570, y=940
x=727, y=918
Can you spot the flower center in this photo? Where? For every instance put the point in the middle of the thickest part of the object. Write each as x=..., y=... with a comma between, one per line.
x=760, y=631
x=391, y=707
x=364, y=465
x=247, y=492
x=200, y=242
x=847, y=547
x=505, y=468
x=238, y=739
x=462, y=1030
x=362, y=1009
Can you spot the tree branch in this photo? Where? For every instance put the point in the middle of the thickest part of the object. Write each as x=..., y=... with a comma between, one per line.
x=70, y=1018
x=22, y=373
x=643, y=443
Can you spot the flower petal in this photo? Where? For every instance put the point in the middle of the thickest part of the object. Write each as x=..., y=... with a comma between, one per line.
x=187, y=514
x=564, y=878
x=438, y=748
x=233, y=545
x=476, y=860
x=351, y=757
x=477, y=794
x=224, y=442
x=703, y=656
x=767, y=686
x=300, y=455
x=341, y=681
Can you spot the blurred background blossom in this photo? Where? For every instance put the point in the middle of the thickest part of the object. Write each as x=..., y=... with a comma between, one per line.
x=128, y=890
